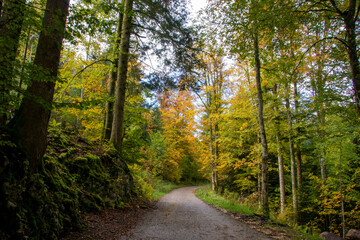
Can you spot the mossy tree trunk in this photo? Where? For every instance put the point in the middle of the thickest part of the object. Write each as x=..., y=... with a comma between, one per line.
x=117, y=128
x=264, y=145
x=113, y=79
x=31, y=121
x=350, y=17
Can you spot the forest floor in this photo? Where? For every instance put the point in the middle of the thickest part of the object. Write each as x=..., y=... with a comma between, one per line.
x=111, y=224
x=147, y=220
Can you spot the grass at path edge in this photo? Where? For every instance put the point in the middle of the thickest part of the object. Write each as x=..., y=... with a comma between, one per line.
x=162, y=187
x=207, y=195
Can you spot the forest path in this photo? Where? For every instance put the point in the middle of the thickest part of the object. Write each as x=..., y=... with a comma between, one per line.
x=181, y=215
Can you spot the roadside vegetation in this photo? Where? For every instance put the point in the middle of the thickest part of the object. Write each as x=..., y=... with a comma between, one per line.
x=262, y=98
x=228, y=203
x=249, y=213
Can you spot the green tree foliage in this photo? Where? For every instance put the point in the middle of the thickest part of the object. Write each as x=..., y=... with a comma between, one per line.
x=308, y=107
x=81, y=181
x=293, y=81
x=173, y=146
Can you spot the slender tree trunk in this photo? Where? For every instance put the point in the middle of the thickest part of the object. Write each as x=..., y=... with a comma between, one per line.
x=112, y=83
x=264, y=162
x=214, y=185
x=279, y=152
x=341, y=192
x=298, y=155
x=297, y=143
x=292, y=154
x=216, y=154
x=10, y=28
x=321, y=132
x=318, y=86
x=281, y=172
x=119, y=110
x=216, y=87
x=211, y=156
x=31, y=122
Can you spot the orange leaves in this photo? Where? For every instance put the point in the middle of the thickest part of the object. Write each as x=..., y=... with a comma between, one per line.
x=173, y=152
x=178, y=113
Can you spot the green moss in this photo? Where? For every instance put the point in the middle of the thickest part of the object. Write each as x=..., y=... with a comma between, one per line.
x=72, y=180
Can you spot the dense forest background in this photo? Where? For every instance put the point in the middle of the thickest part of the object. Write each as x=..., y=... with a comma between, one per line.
x=100, y=99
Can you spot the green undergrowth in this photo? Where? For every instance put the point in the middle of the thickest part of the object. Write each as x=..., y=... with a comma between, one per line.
x=148, y=186
x=162, y=187
x=250, y=216
x=77, y=176
x=206, y=194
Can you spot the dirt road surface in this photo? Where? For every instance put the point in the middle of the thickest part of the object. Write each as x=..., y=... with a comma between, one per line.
x=180, y=215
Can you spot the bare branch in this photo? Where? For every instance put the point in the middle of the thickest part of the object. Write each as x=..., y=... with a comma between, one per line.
x=82, y=70
x=314, y=44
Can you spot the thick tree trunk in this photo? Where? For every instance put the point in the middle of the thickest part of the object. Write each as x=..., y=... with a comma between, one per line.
x=31, y=122
x=113, y=79
x=292, y=154
x=354, y=63
x=264, y=162
x=349, y=18
x=117, y=128
x=10, y=28
x=1, y=7
x=279, y=152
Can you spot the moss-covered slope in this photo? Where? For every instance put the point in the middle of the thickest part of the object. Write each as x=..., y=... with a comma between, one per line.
x=77, y=176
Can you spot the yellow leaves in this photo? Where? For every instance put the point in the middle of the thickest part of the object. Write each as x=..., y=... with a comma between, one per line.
x=244, y=125
x=91, y=119
x=178, y=113
x=176, y=141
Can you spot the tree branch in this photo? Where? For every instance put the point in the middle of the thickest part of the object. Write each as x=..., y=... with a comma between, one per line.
x=314, y=44
x=82, y=70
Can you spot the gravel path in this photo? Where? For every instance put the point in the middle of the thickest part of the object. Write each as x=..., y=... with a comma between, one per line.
x=180, y=215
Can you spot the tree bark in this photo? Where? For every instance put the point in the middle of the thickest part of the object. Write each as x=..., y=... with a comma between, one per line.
x=264, y=162
x=321, y=133
x=1, y=7
x=11, y=22
x=279, y=152
x=117, y=128
x=214, y=182
x=318, y=85
x=216, y=154
x=297, y=147
x=292, y=154
x=349, y=18
x=31, y=122
x=113, y=80
x=297, y=143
